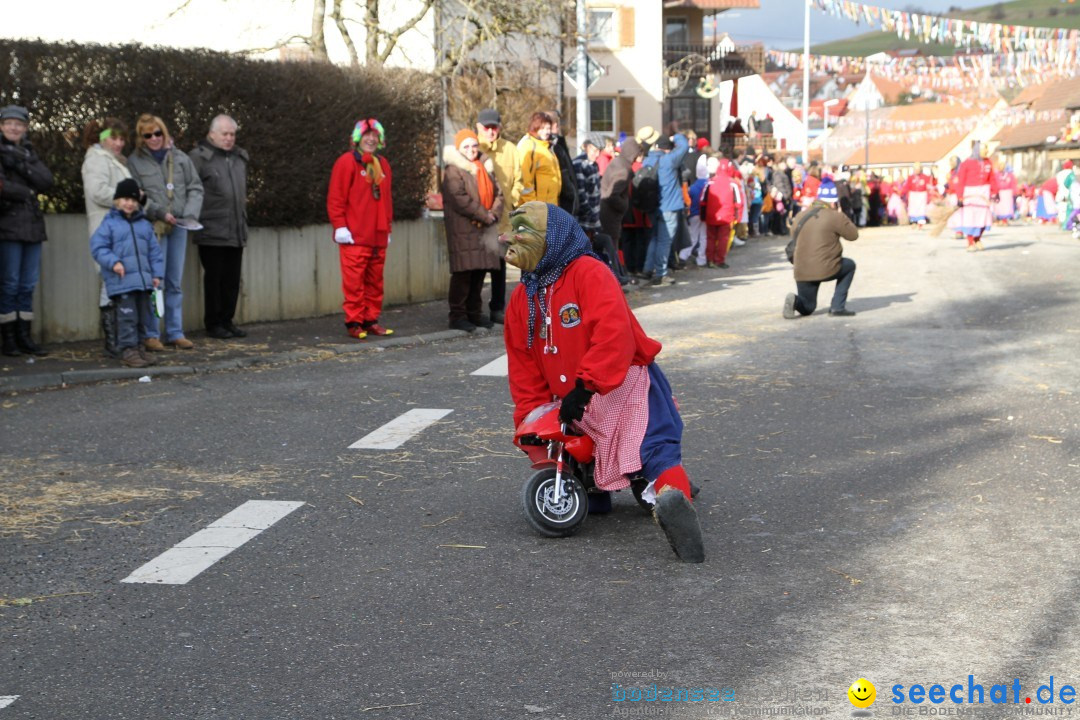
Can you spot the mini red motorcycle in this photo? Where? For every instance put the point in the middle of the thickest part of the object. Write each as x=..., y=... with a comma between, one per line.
x=557, y=497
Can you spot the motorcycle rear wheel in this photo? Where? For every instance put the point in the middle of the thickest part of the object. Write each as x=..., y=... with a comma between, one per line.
x=550, y=518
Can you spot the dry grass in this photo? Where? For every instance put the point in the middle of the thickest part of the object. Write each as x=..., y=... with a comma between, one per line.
x=38, y=495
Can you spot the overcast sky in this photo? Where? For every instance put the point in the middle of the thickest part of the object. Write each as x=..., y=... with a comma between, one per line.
x=779, y=23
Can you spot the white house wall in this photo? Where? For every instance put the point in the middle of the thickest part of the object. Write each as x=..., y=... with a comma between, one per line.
x=754, y=94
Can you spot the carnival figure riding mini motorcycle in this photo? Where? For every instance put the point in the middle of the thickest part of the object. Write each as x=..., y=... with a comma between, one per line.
x=561, y=493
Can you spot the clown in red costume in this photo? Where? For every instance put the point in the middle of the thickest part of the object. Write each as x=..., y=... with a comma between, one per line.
x=361, y=211
x=917, y=192
x=570, y=334
x=976, y=188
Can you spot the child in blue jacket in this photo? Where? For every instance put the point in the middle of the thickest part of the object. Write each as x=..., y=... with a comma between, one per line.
x=132, y=265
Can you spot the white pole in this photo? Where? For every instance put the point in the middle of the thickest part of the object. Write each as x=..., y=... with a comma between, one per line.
x=825, y=137
x=806, y=83
x=582, y=81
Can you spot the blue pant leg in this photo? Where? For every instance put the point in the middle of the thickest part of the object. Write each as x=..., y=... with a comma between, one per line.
x=662, y=446
x=174, y=247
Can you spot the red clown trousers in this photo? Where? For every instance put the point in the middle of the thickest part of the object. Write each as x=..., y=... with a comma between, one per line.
x=362, y=282
x=717, y=239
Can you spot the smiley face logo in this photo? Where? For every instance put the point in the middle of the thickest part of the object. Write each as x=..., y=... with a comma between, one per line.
x=862, y=693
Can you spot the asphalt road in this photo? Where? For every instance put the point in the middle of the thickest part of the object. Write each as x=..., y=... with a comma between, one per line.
x=890, y=496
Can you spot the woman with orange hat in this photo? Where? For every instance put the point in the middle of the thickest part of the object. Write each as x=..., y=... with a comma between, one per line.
x=472, y=206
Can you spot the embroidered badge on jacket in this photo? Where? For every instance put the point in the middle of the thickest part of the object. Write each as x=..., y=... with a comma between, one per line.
x=570, y=315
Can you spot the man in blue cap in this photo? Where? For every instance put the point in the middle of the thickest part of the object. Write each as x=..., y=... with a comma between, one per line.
x=819, y=255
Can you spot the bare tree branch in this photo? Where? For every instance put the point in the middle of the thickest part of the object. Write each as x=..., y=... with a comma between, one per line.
x=179, y=9
x=339, y=20
x=392, y=37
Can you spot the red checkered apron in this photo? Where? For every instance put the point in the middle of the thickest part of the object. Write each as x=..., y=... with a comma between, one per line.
x=616, y=422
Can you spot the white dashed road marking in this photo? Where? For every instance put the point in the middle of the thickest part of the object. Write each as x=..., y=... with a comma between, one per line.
x=187, y=559
x=495, y=368
x=400, y=430
x=6, y=700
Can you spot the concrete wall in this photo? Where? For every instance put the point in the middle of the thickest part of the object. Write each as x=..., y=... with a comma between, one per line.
x=288, y=273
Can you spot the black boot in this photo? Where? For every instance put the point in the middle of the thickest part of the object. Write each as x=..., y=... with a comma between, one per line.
x=7, y=331
x=110, y=331
x=25, y=341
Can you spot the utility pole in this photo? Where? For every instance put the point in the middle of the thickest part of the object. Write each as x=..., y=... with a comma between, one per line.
x=806, y=82
x=582, y=80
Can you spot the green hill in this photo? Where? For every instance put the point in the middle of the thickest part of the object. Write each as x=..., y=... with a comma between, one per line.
x=1039, y=13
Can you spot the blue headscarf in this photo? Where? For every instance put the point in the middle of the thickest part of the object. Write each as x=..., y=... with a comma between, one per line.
x=566, y=242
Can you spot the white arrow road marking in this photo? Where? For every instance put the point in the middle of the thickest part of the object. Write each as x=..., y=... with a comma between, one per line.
x=400, y=430
x=6, y=700
x=495, y=368
x=181, y=563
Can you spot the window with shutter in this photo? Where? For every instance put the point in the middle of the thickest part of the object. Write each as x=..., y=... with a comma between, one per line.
x=625, y=116
x=626, y=27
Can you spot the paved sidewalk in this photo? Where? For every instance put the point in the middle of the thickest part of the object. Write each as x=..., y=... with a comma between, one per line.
x=321, y=337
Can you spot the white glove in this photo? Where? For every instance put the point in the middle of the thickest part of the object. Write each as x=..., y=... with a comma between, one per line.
x=342, y=236
x=389, y=239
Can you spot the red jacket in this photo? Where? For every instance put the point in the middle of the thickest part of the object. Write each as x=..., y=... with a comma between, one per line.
x=810, y=187
x=351, y=203
x=597, y=336
x=917, y=183
x=722, y=200
x=973, y=172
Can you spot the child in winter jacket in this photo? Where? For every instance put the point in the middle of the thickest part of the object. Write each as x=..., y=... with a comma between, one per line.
x=132, y=265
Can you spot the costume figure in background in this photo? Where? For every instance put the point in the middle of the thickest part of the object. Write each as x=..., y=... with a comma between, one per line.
x=977, y=186
x=361, y=210
x=917, y=190
x=1005, y=206
x=570, y=333
x=1046, y=205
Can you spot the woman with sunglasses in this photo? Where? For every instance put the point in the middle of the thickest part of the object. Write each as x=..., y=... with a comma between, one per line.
x=175, y=191
x=361, y=211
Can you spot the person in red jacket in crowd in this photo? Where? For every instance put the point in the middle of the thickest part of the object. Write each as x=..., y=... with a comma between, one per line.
x=721, y=208
x=361, y=211
x=976, y=188
x=570, y=333
x=917, y=191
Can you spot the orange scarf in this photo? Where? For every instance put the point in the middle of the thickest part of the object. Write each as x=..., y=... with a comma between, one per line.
x=484, y=185
x=374, y=168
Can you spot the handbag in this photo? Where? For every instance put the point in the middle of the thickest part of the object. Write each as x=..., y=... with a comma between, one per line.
x=790, y=249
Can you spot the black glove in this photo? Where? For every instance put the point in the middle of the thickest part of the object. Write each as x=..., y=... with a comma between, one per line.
x=573, y=405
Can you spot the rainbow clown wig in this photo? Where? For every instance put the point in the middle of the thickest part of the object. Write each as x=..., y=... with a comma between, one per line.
x=365, y=126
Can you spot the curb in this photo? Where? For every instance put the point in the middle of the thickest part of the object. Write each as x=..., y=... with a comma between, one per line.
x=83, y=377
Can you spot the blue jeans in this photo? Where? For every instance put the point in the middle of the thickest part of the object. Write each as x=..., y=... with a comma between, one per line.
x=132, y=312
x=755, y=219
x=656, y=259
x=20, y=268
x=806, y=302
x=174, y=248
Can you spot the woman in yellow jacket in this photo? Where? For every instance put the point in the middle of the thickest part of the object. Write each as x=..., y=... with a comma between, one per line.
x=540, y=176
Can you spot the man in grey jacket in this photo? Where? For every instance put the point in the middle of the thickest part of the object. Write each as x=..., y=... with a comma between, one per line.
x=222, y=168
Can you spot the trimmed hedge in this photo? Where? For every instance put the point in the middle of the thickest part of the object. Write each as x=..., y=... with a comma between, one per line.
x=295, y=118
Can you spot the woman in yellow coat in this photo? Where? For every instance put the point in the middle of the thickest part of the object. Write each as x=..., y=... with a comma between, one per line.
x=540, y=176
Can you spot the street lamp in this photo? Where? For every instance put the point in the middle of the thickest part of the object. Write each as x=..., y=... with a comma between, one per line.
x=825, y=129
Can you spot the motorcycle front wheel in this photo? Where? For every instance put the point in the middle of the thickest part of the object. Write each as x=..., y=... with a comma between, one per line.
x=547, y=515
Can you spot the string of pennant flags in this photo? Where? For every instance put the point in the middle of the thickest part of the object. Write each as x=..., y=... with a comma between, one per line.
x=995, y=37
x=1012, y=69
